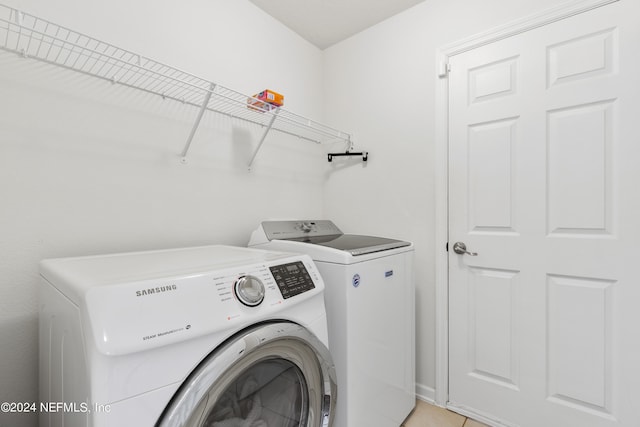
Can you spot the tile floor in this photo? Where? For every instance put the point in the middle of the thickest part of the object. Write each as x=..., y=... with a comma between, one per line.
x=426, y=415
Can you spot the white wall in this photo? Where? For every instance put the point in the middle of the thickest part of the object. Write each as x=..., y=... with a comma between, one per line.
x=381, y=85
x=87, y=167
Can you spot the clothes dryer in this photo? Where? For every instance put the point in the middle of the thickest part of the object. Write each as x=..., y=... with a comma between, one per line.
x=207, y=336
x=369, y=298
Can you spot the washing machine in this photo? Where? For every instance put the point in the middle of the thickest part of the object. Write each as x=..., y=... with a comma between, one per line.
x=211, y=336
x=369, y=297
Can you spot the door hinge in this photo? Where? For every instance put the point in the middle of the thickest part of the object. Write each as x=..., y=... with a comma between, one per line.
x=444, y=69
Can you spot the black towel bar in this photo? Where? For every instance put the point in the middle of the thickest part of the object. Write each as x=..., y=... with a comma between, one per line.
x=364, y=154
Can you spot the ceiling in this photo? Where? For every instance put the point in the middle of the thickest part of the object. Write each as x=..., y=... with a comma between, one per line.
x=326, y=22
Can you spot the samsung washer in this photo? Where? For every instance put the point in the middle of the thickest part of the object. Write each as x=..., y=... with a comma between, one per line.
x=370, y=301
x=207, y=336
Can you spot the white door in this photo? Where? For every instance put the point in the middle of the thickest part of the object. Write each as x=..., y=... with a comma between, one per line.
x=544, y=184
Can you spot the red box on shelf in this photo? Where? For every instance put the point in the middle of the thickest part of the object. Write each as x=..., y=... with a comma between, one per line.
x=266, y=100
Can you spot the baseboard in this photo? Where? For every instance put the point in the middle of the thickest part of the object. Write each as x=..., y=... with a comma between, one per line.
x=426, y=394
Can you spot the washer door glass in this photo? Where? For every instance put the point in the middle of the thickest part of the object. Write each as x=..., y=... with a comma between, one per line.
x=269, y=393
x=273, y=375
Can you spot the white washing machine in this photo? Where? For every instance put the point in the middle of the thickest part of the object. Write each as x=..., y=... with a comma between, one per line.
x=212, y=336
x=369, y=298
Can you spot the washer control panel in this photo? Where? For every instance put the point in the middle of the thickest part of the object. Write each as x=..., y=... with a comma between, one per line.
x=299, y=229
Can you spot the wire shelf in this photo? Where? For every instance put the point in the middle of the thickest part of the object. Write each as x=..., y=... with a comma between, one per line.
x=33, y=37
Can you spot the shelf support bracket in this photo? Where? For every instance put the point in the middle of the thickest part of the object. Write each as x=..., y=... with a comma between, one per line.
x=203, y=108
x=264, y=135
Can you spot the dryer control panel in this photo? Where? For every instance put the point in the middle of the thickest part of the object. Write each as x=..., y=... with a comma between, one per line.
x=292, y=279
x=135, y=316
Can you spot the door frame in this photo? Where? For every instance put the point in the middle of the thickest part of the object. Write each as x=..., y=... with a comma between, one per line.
x=519, y=26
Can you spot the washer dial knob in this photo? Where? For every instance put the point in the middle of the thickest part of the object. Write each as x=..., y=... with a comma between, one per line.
x=249, y=290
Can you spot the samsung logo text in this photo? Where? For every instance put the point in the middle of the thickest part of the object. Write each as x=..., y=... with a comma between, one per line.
x=156, y=290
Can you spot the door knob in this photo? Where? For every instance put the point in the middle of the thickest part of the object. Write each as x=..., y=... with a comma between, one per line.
x=461, y=248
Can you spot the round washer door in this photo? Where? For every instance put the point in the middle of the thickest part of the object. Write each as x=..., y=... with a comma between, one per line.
x=275, y=374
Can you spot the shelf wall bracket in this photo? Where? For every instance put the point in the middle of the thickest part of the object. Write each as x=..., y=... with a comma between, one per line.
x=203, y=108
x=264, y=135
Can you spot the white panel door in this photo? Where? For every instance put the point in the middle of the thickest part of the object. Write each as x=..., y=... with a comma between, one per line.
x=544, y=184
